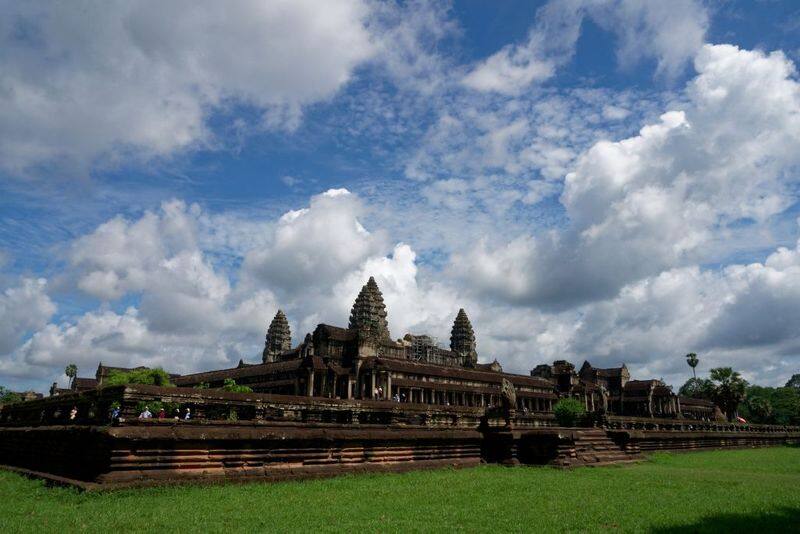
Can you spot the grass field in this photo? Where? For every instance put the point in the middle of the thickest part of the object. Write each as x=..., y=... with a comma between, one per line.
x=720, y=491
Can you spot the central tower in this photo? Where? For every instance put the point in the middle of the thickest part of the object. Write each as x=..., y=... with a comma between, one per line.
x=462, y=339
x=368, y=315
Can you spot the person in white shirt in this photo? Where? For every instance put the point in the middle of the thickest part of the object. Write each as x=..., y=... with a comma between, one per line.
x=146, y=413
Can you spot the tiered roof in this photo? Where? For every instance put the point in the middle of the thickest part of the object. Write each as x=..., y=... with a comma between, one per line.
x=462, y=339
x=279, y=337
x=368, y=315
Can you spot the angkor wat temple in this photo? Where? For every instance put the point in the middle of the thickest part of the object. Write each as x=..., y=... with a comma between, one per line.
x=353, y=399
x=362, y=361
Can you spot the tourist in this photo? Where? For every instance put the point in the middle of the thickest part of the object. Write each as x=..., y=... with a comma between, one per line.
x=396, y=397
x=162, y=413
x=375, y=393
x=187, y=416
x=73, y=413
x=115, y=413
x=380, y=393
x=146, y=414
x=177, y=414
x=402, y=397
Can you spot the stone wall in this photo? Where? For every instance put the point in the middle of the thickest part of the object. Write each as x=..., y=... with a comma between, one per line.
x=685, y=440
x=217, y=405
x=152, y=452
x=274, y=437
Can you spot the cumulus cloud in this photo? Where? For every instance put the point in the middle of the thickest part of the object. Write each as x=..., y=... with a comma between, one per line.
x=654, y=201
x=23, y=308
x=191, y=316
x=151, y=74
x=187, y=313
x=316, y=246
x=669, y=32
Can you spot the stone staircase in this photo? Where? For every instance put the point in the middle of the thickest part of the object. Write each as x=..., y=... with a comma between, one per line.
x=592, y=447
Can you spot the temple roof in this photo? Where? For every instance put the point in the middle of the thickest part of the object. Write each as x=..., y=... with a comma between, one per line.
x=640, y=385
x=239, y=372
x=456, y=372
x=691, y=401
x=279, y=336
x=462, y=336
x=368, y=315
x=337, y=333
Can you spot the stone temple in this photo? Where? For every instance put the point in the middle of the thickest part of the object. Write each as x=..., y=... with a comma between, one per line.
x=352, y=399
x=362, y=361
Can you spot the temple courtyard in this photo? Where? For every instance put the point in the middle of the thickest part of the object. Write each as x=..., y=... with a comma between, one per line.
x=713, y=491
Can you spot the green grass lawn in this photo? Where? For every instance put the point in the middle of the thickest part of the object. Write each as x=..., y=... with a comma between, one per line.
x=729, y=491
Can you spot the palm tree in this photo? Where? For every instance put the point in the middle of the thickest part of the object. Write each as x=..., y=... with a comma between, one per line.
x=729, y=389
x=71, y=371
x=692, y=360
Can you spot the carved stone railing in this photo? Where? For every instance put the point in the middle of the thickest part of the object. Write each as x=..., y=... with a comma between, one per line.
x=94, y=408
x=689, y=425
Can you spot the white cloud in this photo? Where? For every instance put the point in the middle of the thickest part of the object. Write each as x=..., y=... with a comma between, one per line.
x=104, y=80
x=669, y=32
x=314, y=246
x=654, y=201
x=193, y=317
x=22, y=309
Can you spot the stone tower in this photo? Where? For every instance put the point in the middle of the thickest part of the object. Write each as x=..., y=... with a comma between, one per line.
x=369, y=312
x=462, y=339
x=279, y=338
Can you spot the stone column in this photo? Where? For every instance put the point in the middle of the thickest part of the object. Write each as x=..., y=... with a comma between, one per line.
x=310, y=388
x=388, y=384
x=372, y=384
x=349, y=387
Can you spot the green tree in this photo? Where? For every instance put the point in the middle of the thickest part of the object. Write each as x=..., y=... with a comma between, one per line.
x=71, y=371
x=786, y=405
x=784, y=402
x=729, y=389
x=569, y=412
x=794, y=382
x=152, y=377
x=9, y=397
x=230, y=385
x=698, y=388
x=692, y=360
x=760, y=409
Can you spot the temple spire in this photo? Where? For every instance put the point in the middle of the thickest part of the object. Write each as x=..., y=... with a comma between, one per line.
x=279, y=338
x=462, y=339
x=368, y=315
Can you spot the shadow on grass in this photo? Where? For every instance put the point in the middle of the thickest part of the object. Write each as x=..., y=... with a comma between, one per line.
x=781, y=520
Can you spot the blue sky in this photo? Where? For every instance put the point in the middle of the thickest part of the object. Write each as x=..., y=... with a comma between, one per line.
x=603, y=179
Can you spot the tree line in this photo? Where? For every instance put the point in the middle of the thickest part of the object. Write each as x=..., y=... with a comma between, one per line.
x=737, y=398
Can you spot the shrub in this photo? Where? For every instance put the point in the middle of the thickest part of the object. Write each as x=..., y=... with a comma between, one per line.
x=569, y=412
x=9, y=397
x=230, y=385
x=152, y=377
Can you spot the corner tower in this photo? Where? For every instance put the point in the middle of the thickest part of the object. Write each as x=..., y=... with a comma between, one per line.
x=279, y=338
x=368, y=315
x=462, y=339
